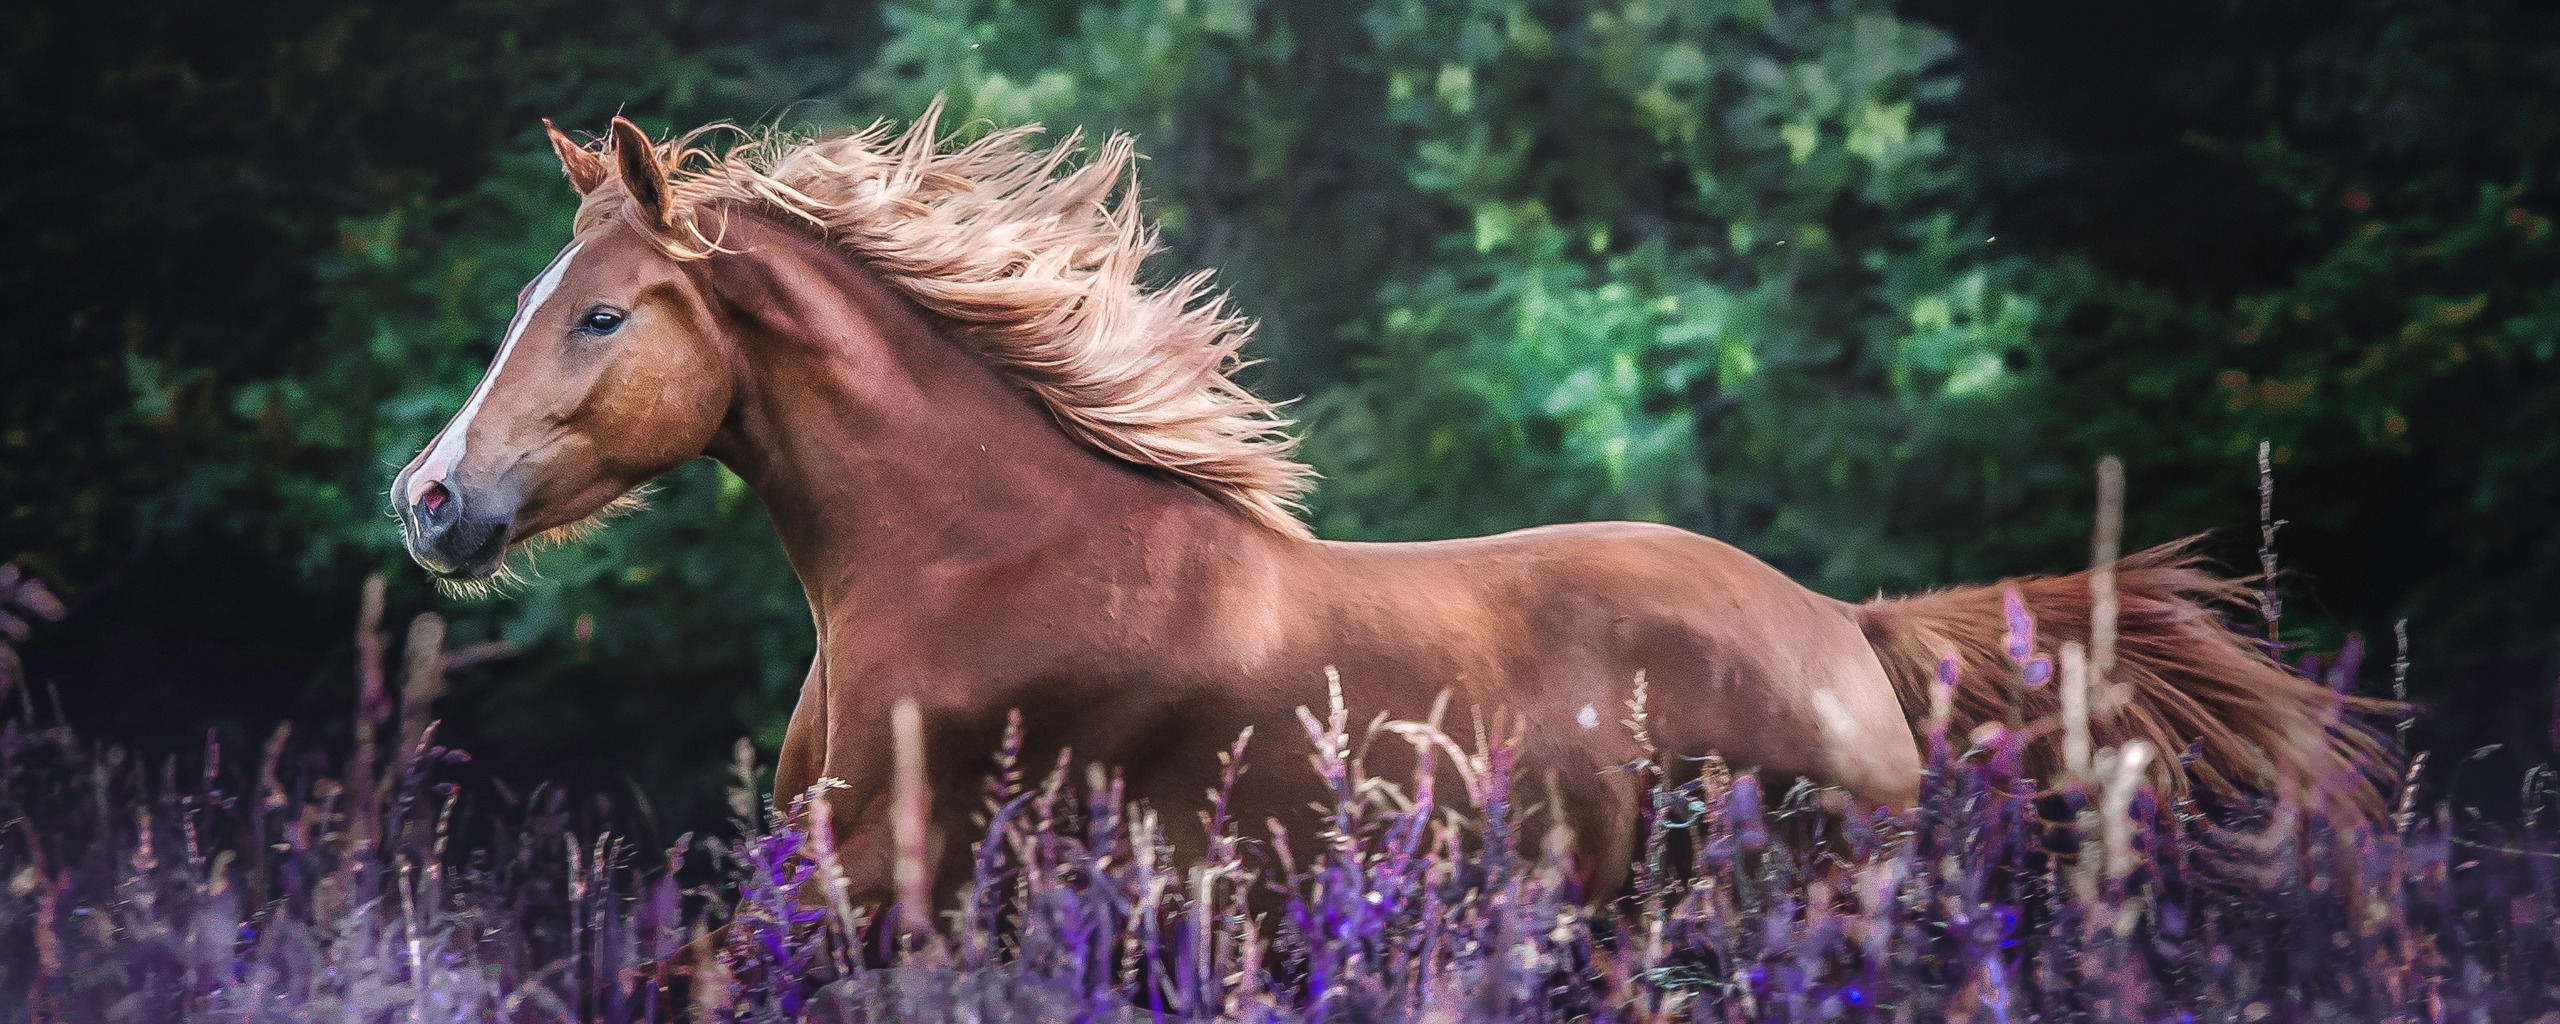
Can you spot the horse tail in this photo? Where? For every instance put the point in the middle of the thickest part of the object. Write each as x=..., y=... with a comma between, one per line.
x=2183, y=681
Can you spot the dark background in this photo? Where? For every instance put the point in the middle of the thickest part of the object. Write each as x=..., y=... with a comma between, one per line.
x=260, y=250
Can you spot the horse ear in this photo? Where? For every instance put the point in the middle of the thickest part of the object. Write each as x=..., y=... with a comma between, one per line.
x=584, y=166
x=635, y=161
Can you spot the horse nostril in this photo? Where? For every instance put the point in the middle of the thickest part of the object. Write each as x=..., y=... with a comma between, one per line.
x=433, y=499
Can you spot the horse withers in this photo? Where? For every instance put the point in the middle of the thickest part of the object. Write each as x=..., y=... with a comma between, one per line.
x=1011, y=476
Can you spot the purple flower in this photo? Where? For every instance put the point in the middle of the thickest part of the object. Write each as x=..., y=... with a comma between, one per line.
x=2021, y=640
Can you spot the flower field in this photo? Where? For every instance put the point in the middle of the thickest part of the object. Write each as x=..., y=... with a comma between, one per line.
x=265, y=885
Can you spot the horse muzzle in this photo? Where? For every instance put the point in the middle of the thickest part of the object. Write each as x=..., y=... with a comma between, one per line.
x=454, y=535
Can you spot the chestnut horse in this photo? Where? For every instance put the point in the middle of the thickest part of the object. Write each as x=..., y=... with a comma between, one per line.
x=1011, y=476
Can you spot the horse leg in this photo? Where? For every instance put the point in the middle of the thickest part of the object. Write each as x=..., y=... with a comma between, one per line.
x=1818, y=707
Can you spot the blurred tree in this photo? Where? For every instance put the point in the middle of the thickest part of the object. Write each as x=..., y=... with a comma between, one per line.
x=1709, y=273
x=1560, y=261
x=1268, y=155
x=2326, y=226
x=266, y=250
x=1756, y=267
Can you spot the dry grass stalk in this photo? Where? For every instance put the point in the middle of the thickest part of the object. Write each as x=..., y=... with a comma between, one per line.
x=2270, y=608
x=373, y=708
x=915, y=905
x=423, y=680
x=2106, y=546
x=2075, y=714
x=2124, y=777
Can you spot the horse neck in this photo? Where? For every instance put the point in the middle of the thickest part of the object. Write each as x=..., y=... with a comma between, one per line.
x=882, y=447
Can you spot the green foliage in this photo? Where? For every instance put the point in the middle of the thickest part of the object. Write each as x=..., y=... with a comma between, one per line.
x=1268, y=156
x=276, y=244
x=1690, y=263
x=1708, y=276
x=2401, y=351
x=1729, y=264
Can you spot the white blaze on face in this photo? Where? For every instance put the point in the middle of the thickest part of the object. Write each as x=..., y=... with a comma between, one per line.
x=447, y=453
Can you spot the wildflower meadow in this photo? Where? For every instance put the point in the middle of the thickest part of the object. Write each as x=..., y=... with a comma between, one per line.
x=291, y=883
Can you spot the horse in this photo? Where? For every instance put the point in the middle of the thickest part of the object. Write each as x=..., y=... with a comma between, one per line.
x=1013, y=477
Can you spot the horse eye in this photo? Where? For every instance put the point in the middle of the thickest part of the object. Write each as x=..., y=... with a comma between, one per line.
x=600, y=321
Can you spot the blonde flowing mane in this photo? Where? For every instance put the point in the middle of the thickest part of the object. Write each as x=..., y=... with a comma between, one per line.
x=1032, y=258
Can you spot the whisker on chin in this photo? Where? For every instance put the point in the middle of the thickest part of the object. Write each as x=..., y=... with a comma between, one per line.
x=514, y=571
x=493, y=585
x=630, y=501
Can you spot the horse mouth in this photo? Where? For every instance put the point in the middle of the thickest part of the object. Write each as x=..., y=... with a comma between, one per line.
x=479, y=573
x=466, y=553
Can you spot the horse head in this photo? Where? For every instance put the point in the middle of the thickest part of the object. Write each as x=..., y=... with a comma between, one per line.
x=612, y=372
